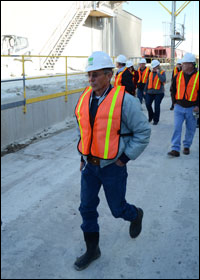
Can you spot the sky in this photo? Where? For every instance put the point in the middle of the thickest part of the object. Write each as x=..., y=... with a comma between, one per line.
x=153, y=16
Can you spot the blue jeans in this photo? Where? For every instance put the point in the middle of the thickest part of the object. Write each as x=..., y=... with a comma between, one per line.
x=157, y=98
x=140, y=94
x=182, y=114
x=113, y=178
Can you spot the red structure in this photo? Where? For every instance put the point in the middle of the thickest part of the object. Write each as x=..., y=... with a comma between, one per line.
x=160, y=52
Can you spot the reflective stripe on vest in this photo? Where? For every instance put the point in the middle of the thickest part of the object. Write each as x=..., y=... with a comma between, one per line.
x=144, y=76
x=102, y=140
x=155, y=84
x=175, y=71
x=118, y=78
x=192, y=87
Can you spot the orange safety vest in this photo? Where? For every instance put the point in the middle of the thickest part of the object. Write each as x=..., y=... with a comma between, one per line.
x=133, y=73
x=101, y=140
x=175, y=72
x=156, y=83
x=192, y=87
x=144, y=76
x=118, y=78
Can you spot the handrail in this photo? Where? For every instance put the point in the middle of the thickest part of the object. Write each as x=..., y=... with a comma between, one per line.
x=66, y=74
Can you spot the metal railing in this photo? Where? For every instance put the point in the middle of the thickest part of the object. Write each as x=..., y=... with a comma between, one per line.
x=24, y=79
x=165, y=64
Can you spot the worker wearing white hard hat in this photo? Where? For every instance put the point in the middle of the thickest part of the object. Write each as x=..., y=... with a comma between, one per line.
x=175, y=71
x=123, y=77
x=154, y=91
x=143, y=73
x=134, y=73
x=99, y=60
x=112, y=131
x=142, y=61
x=129, y=63
x=155, y=63
x=185, y=97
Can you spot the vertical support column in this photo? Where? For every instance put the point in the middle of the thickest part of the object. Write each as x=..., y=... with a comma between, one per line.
x=24, y=85
x=173, y=27
x=66, y=95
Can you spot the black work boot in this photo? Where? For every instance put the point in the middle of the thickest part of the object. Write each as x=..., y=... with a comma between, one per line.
x=93, y=252
x=136, y=225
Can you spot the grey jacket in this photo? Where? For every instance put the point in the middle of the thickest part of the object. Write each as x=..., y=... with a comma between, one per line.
x=162, y=78
x=133, y=120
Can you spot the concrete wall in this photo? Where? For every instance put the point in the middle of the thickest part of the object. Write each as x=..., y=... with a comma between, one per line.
x=17, y=126
x=127, y=35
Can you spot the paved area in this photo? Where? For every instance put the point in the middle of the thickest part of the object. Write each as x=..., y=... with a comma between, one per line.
x=41, y=236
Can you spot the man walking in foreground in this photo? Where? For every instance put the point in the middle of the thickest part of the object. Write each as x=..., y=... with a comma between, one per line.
x=113, y=130
x=185, y=97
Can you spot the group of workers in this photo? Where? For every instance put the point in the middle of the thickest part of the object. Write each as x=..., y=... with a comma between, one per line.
x=113, y=130
x=149, y=84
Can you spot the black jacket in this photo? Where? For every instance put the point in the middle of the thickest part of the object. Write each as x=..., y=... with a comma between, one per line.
x=127, y=81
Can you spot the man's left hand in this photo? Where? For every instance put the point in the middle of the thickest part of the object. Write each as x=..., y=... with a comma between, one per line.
x=119, y=163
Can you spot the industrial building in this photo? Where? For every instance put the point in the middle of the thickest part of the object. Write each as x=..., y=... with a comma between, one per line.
x=74, y=28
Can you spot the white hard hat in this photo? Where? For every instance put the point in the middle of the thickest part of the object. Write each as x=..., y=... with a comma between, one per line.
x=189, y=57
x=99, y=60
x=179, y=61
x=155, y=63
x=143, y=60
x=121, y=58
x=129, y=63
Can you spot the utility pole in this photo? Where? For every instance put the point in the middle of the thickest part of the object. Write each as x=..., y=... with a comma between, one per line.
x=173, y=30
x=175, y=36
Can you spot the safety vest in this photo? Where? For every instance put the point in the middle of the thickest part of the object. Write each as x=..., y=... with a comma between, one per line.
x=192, y=87
x=101, y=140
x=133, y=73
x=144, y=76
x=175, y=72
x=118, y=78
x=156, y=83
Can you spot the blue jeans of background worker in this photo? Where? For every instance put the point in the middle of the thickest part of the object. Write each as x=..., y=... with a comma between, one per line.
x=114, y=179
x=182, y=114
x=140, y=95
x=157, y=98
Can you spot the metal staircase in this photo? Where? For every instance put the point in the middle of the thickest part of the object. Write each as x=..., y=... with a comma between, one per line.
x=74, y=18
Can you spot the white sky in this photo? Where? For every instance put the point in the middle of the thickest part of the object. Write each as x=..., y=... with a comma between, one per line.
x=153, y=16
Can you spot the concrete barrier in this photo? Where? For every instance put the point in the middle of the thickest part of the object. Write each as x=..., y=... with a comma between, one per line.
x=17, y=126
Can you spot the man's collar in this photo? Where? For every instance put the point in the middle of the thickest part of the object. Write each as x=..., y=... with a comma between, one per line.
x=105, y=92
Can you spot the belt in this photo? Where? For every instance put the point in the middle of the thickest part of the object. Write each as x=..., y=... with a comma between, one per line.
x=93, y=160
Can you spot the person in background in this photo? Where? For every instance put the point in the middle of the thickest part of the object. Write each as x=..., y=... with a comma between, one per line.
x=143, y=73
x=130, y=67
x=176, y=69
x=185, y=97
x=154, y=91
x=123, y=77
x=112, y=130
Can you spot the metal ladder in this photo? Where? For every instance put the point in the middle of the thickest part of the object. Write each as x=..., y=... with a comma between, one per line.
x=55, y=46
